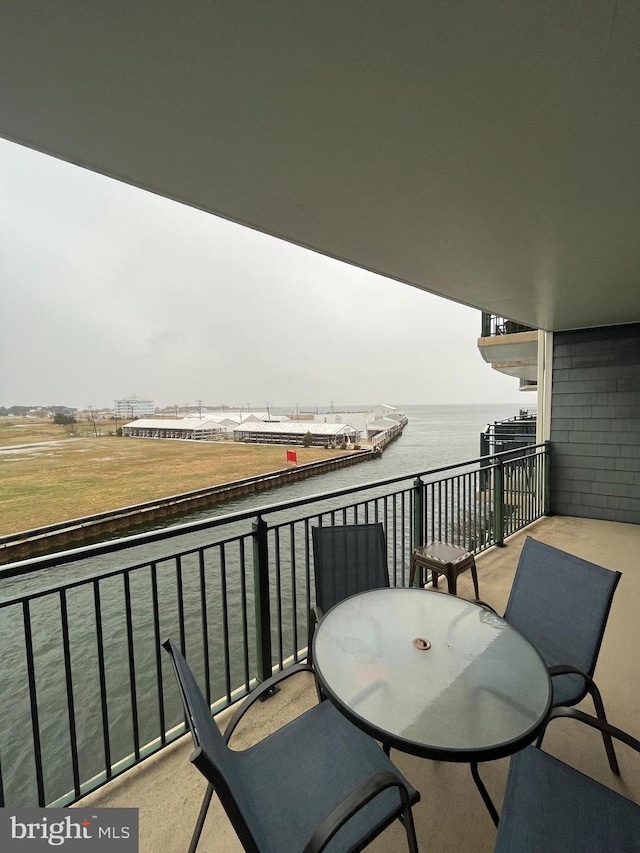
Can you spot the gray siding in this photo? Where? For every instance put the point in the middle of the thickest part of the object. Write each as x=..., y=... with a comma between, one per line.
x=595, y=423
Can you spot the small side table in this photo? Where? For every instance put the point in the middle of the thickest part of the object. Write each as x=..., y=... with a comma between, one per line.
x=444, y=559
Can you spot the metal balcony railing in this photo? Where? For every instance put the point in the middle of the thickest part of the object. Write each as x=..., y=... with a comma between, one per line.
x=493, y=325
x=86, y=690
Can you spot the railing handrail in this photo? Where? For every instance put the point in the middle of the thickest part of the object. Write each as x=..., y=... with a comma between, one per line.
x=98, y=549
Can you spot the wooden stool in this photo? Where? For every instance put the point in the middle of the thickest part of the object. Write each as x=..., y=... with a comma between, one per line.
x=444, y=559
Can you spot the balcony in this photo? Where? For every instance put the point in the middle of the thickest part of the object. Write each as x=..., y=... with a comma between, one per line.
x=510, y=348
x=94, y=717
x=451, y=817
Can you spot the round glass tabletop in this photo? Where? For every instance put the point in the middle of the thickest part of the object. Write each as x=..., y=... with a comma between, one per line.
x=432, y=674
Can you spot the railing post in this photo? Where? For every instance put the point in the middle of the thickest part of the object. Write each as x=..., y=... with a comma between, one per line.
x=418, y=519
x=547, y=479
x=262, y=602
x=485, y=448
x=498, y=503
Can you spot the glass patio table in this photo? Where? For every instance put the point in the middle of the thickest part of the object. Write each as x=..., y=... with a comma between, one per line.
x=433, y=675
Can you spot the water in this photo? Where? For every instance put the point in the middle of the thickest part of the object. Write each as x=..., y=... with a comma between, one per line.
x=435, y=436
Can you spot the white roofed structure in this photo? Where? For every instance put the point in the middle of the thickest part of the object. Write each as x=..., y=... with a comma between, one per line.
x=175, y=428
x=293, y=432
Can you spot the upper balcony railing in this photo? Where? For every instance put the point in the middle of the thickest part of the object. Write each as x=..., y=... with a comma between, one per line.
x=493, y=325
x=86, y=691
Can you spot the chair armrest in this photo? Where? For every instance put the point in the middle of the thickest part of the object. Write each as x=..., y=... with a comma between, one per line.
x=352, y=804
x=595, y=723
x=259, y=691
x=567, y=669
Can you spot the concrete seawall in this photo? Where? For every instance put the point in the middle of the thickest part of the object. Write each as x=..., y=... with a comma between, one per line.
x=82, y=531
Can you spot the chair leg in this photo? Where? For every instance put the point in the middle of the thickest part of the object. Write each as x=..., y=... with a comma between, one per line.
x=202, y=815
x=406, y=819
x=600, y=713
x=410, y=829
x=434, y=579
x=606, y=737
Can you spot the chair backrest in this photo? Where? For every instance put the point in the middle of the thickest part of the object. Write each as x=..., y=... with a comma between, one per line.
x=213, y=758
x=347, y=559
x=561, y=604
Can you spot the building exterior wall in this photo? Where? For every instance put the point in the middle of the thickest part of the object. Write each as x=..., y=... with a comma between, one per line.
x=595, y=423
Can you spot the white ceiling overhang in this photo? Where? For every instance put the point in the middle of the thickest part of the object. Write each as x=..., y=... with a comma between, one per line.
x=488, y=152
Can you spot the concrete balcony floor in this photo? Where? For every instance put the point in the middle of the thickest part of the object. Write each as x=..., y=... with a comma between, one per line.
x=168, y=791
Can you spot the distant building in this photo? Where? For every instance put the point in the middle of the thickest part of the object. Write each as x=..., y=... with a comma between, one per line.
x=132, y=407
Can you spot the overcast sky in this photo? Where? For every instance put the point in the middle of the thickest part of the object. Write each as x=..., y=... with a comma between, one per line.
x=108, y=291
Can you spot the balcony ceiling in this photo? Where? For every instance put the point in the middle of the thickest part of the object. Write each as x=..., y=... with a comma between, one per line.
x=487, y=152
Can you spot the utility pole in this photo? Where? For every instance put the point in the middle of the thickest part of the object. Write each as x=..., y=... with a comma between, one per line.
x=199, y=402
x=95, y=431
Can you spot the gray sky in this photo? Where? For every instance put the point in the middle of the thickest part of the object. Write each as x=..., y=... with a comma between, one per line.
x=108, y=291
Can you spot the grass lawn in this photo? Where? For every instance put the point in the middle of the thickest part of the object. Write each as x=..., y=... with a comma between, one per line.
x=44, y=484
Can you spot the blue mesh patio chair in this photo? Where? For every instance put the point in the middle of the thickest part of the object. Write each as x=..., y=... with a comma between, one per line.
x=317, y=783
x=347, y=559
x=561, y=604
x=550, y=806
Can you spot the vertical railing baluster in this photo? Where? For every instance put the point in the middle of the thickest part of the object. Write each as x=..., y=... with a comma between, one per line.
x=245, y=619
x=33, y=700
x=403, y=536
x=498, y=503
x=262, y=602
x=418, y=526
x=157, y=638
x=132, y=666
x=68, y=676
x=103, y=678
x=205, y=625
x=278, y=588
x=294, y=591
x=180, y=594
x=310, y=594
x=547, y=478
x=225, y=622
